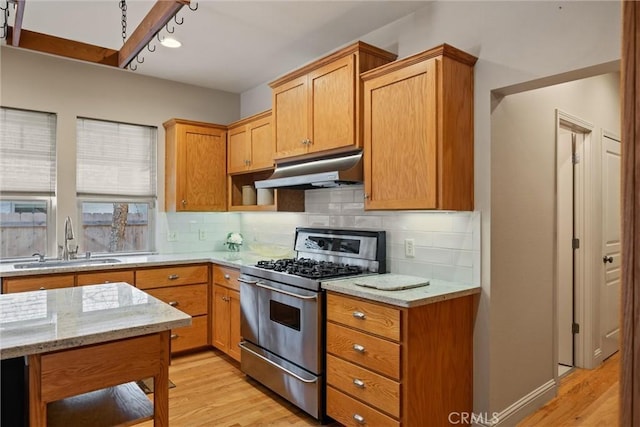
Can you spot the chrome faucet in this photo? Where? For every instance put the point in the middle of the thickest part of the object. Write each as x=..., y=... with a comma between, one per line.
x=68, y=235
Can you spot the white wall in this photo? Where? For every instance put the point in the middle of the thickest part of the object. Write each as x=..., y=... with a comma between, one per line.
x=523, y=218
x=516, y=43
x=71, y=88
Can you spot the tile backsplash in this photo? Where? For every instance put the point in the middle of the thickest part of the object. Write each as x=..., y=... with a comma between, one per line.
x=447, y=244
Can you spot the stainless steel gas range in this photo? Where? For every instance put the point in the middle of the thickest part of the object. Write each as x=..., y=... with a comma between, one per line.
x=283, y=309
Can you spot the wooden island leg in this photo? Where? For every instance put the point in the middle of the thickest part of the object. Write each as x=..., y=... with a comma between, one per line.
x=161, y=384
x=37, y=408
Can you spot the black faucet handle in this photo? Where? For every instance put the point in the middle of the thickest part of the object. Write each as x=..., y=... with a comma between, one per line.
x=39, y=255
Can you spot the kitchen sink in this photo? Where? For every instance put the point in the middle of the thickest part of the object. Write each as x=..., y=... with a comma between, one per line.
x=62, y=263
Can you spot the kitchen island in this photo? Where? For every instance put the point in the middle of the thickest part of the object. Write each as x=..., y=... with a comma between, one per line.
x=85, y=346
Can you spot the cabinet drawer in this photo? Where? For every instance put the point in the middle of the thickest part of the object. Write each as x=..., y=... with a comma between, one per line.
x=365, y=316
x=171, y=276
x=191, y=299
x=377, y=354
x=190, y=337
x=347, y=411
x=35, y=283
x=105, y=277
x=226, y=276
x=376, y=390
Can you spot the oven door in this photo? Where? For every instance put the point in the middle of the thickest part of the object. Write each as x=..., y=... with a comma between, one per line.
x=290, y=323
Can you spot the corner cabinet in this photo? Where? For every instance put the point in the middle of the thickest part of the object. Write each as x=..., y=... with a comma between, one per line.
x=418, y=132
x=397, y=366
x=195, y=166
x=318, y=107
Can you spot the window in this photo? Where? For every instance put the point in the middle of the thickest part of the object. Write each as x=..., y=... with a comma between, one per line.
x=27, y=181
x=116, y=185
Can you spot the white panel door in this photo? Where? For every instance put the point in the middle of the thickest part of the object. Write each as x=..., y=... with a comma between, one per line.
x=610, y=286
x=565, y=248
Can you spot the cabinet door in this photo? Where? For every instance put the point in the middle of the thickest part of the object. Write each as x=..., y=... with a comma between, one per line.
x=239, y=156
x=25, y=284
x=400, y=137
x=234, y=324
x=95, y=278
x=332, y=91
x=220, y=318
x=291, y=117
x=262, y=146
x=203, y=159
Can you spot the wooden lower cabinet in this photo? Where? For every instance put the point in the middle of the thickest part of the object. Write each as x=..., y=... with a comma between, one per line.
x=34, y=283
x=392, y=366
x=101, y=277
x=185, y=287
x=225, y=309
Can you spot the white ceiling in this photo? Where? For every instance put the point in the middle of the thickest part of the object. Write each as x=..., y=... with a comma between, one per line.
x=227, y=45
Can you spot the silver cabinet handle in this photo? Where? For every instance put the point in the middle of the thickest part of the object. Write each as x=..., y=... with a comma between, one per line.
x=184, y=202
x=173, y=303
x=226, y=276
x=359, y=418
x=359, y=315
x=174, y=336
x=42, y=288
x=366, y=196
x=173, y=277
x=358, y=383
x=359, y=348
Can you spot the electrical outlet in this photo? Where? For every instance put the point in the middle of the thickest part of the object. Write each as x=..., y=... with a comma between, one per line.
x=172, y=236
x=202, y=235
x=409, y=248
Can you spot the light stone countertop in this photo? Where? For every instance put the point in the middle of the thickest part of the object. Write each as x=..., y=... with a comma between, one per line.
x=43, y=321
x=437, y=290
x=225, y=258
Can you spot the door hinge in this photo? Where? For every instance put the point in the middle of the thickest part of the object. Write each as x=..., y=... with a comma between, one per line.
x=575, y=158
x=575, y=328
x=575, y=243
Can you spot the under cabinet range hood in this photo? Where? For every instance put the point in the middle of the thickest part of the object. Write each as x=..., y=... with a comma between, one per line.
x=318, y=172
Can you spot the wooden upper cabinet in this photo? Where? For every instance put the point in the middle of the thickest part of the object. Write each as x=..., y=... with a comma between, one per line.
x=319, y=107
x=250, y=144
x=418, y=132
x=195, y=166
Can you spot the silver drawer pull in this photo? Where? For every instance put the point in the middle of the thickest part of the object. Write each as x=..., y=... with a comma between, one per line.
x=42, y=288
x=173, y=277
x=358, y=383
x=173, y=303
x=226, y=276
x=174, y=336
x=359, y=315
x=358, y=348
x=359, y=418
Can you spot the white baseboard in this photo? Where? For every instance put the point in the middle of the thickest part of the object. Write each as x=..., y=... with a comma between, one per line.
x=517, y=411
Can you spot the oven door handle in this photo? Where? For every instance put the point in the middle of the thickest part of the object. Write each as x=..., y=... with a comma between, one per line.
x=250, y=282
x=291, y=294
x=293, y=374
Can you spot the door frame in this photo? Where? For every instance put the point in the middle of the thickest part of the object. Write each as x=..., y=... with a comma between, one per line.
x=585, y=297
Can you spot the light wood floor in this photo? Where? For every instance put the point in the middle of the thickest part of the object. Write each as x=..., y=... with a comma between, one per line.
x=211, y=391
x=586, y=398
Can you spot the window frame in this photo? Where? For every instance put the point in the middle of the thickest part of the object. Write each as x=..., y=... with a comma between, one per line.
x=50, y=223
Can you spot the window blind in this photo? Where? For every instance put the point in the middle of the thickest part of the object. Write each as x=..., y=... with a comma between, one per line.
x=115, y=159
x=27, y=151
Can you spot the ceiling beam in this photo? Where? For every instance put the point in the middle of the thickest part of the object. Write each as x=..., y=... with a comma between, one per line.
x=161, y=12
x=64, y=47
x=17, y=23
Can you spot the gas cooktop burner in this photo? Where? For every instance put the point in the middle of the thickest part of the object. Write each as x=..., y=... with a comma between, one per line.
x=306, y=267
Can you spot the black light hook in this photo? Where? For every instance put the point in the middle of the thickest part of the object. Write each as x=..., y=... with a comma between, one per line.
x=196, y=8
x=175, y=18
x=149, y=47
x=170, y=31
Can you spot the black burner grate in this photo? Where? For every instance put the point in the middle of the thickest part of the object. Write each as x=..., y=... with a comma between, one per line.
x=310, y=268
